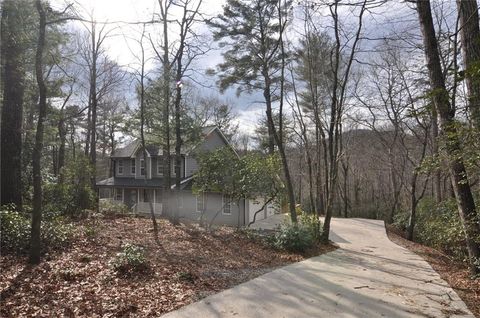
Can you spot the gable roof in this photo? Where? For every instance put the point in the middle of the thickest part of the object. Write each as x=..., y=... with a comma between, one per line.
x=128, y=151
x=131, y=149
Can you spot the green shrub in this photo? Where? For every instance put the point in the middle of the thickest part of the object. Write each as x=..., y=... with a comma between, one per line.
x=131, y=259
x=111, y=208
x=56, y=233
x=313, y=224
x=74, y=194
x=438, y=226
x=15, y=231
x=186, y=277
x=400, y=220
x=294, y=238
x=90, y=230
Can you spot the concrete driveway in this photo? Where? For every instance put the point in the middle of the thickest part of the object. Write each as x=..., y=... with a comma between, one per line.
x=368, y=276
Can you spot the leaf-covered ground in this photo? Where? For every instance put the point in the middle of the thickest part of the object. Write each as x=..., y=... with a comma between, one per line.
x=187, y=265
x=455, y=273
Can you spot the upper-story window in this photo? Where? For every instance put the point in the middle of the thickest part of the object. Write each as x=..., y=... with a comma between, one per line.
x=160, y=166
x=132, y=166
x=120, y=166
x=142, y=167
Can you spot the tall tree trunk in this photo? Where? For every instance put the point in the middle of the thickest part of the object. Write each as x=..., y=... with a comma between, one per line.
x=345, y=188
x=281, y=149
x=271, y=140
x=413, y=207
x=166, y=100
x=142, y=136
x=458, y=173
x=299, y=196
x=166, y=69
x=318, y=176
x=336, y=112
x=62, y=135
x=35, y=237
x=89, y=125
x=470, y=38
x=310, y=182
x=72, y=142
x=437, y=176
x=93, y=104
x=393, y=165
x=178, y=142
x=13, y=74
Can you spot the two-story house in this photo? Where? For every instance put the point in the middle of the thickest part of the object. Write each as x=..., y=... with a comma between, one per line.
x=137, y=181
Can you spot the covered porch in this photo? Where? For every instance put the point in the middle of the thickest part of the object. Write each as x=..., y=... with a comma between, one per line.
x=139, y=196
x=138, y=200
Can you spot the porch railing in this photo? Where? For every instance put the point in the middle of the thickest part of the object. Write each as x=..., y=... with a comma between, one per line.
x=144, y=207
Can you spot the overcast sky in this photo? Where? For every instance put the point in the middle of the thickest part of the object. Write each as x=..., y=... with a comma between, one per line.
x=395, y=15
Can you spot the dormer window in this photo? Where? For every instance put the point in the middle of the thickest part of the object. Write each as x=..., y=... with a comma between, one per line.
x=120, y=166
x=132, y=166
x=142, y=167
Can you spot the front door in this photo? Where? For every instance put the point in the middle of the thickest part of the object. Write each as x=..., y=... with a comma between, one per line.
x=132, y=198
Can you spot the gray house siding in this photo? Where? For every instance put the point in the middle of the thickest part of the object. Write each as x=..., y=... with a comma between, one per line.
x=126, y=168
x=155, y=173
x=212, y=142
x=191, y=165
x=213, y=203
x=187, y=206
x=131, y=189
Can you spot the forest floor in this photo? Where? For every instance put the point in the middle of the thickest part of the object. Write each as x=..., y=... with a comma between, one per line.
x=188, y=264
x=455, y=273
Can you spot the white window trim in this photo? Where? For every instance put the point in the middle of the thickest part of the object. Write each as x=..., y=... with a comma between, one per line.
x=202, y=194
x=159, y=164
x=144, y=167
x=149, y=165
x=224, y=205
x=133, y=168
x=118, y=191
x=118, y=167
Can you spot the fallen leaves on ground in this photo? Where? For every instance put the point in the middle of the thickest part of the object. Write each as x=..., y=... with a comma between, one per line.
x=455, y=273
x=188, y=264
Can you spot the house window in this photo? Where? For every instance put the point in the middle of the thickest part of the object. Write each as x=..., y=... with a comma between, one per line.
x=118, y=194
x=227, y=204
x=200, y=202
x=160, y=166
x=174, y=166
x=142, y=167
x=132, y=166
x=120, y=166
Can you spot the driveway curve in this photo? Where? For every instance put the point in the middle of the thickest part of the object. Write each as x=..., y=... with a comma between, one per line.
x=368, y=276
